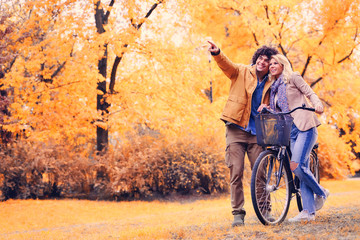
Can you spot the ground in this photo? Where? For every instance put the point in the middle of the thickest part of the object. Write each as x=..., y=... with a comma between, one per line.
x=205, y=217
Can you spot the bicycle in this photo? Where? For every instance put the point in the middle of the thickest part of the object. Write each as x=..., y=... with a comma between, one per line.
x=273, y=184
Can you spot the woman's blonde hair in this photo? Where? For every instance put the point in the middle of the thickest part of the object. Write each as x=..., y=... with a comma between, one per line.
x=287, y=70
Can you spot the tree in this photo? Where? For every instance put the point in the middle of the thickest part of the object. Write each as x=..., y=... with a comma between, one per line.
x=61, y=30
x=101, y=19
x=148, y=69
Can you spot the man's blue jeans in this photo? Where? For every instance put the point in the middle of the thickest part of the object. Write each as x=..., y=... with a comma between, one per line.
x=301, y=143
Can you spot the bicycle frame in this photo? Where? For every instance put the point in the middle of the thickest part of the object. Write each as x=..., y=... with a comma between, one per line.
x=284, y=156
x=272, y=192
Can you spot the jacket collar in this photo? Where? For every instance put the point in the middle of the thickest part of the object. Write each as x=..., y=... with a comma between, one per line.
x=253, y=70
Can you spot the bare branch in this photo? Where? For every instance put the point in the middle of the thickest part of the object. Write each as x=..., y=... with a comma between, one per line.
x=267, y=13
x=283, y=22
x=327, y=102
x=232, y=9
x=310, y=56
x=352, y=50
x=108, y=12
x=11, y=122
x=292, y=44
x=346, y=57
x=282, y=49
x=113, y=73
x=117, y=58
x=285, y=54
x=60, y=86
x=99, y=18
x=306, y=65
x=255, y=39
x=57, y=71
x=138, y=26
x=315, y=82
x=114, y=70
x=11, y=64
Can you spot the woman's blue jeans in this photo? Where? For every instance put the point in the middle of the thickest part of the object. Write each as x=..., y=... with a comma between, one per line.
x=301, y=144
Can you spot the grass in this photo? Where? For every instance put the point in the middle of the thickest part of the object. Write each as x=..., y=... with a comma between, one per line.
x=177, y=218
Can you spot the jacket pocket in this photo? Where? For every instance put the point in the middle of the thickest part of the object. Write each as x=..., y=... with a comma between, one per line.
x=235, y=107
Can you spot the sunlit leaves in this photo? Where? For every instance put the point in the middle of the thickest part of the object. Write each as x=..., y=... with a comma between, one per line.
x=165, y=71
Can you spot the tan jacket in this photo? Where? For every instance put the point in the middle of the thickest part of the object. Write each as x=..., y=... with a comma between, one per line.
x=296, y=91
x=243, y=83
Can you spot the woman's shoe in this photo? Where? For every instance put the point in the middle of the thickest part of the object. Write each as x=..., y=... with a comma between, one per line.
x=303, y=216
x=320, y=200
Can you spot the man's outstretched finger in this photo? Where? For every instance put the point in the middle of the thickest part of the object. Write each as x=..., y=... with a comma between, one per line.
x=213, y=47
x=211, y=43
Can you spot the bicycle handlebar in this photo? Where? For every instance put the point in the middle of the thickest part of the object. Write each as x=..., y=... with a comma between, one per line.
x=265, y=110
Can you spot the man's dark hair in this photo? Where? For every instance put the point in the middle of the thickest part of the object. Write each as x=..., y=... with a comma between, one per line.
x=264, y=50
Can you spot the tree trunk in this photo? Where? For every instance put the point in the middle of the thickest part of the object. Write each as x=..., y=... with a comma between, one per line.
x=101, y=104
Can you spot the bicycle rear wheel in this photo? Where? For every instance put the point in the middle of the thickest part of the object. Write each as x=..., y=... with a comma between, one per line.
x=270, y=191
x=314, y=168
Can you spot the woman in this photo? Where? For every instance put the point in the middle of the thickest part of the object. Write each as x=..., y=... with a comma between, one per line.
x=288, y=91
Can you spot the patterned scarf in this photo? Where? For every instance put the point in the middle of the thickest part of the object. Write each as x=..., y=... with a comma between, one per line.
x=279, y=87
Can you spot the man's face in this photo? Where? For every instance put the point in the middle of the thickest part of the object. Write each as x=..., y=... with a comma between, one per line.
x=262, y=64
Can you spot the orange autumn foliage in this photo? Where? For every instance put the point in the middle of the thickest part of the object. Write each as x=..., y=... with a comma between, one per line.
x=50, y=51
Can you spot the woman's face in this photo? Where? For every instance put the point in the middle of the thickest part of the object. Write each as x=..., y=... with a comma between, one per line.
x=275, y=68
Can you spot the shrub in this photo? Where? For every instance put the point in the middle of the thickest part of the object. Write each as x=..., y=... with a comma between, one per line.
x=142, y=167
x=145, y=166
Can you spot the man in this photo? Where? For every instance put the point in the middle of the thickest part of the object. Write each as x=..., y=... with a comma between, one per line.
x=249, y=88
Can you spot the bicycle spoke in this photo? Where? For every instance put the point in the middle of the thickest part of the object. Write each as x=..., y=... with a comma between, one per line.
x=270, y=191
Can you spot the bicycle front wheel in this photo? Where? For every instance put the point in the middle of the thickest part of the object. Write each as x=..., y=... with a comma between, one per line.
x=270, y=191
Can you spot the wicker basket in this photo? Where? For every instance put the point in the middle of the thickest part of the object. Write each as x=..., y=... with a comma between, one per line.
x=273, y=130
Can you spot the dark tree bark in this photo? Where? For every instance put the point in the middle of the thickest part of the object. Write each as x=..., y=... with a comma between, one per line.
x=101, y=104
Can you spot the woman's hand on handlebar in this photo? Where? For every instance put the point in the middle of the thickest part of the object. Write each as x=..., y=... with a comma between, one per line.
x=319, y=109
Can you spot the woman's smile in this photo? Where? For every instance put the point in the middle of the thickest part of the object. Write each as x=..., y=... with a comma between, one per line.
x=275, y=68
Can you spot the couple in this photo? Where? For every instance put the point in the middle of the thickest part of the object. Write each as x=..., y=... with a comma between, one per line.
x=269, y=82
